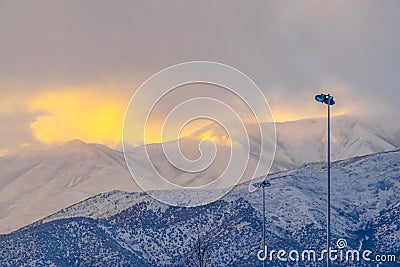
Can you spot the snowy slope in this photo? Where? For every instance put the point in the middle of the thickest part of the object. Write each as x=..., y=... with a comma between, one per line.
x=366, y=183
x=365, y=210
x=304, y=141
x=36, y=184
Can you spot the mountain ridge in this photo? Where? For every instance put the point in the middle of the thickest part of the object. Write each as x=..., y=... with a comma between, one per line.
x=36, y=184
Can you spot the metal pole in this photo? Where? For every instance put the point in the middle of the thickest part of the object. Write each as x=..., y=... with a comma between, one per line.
x=328, y=217
x=264, y=226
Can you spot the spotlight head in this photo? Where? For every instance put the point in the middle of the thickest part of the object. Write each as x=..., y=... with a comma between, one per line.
x=263, y=184
x=323, y=98
x=320, y=98
x=329, y=100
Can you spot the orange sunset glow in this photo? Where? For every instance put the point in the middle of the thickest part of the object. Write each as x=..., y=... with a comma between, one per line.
x=95, y=117
x=77, y=114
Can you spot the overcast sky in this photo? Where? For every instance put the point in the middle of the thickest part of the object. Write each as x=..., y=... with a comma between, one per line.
x=50, y=51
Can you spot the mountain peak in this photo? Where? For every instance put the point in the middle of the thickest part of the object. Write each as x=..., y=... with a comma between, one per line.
x=76, y=145
x=76, y=142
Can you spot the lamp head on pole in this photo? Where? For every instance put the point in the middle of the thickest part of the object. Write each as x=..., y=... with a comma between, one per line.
x=263, y=184
x=323, y=98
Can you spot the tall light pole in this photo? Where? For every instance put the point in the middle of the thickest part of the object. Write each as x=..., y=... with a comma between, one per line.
x=328, y=99
x=264, y=184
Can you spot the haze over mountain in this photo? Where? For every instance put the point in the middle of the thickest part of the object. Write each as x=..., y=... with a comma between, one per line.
x=36, y=184
x=303, y=141
x=298, y=142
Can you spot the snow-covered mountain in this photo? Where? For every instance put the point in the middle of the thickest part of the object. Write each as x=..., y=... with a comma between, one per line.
x=36, y=184
x=134, y=229
x=298, y=142
x=303, y=141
